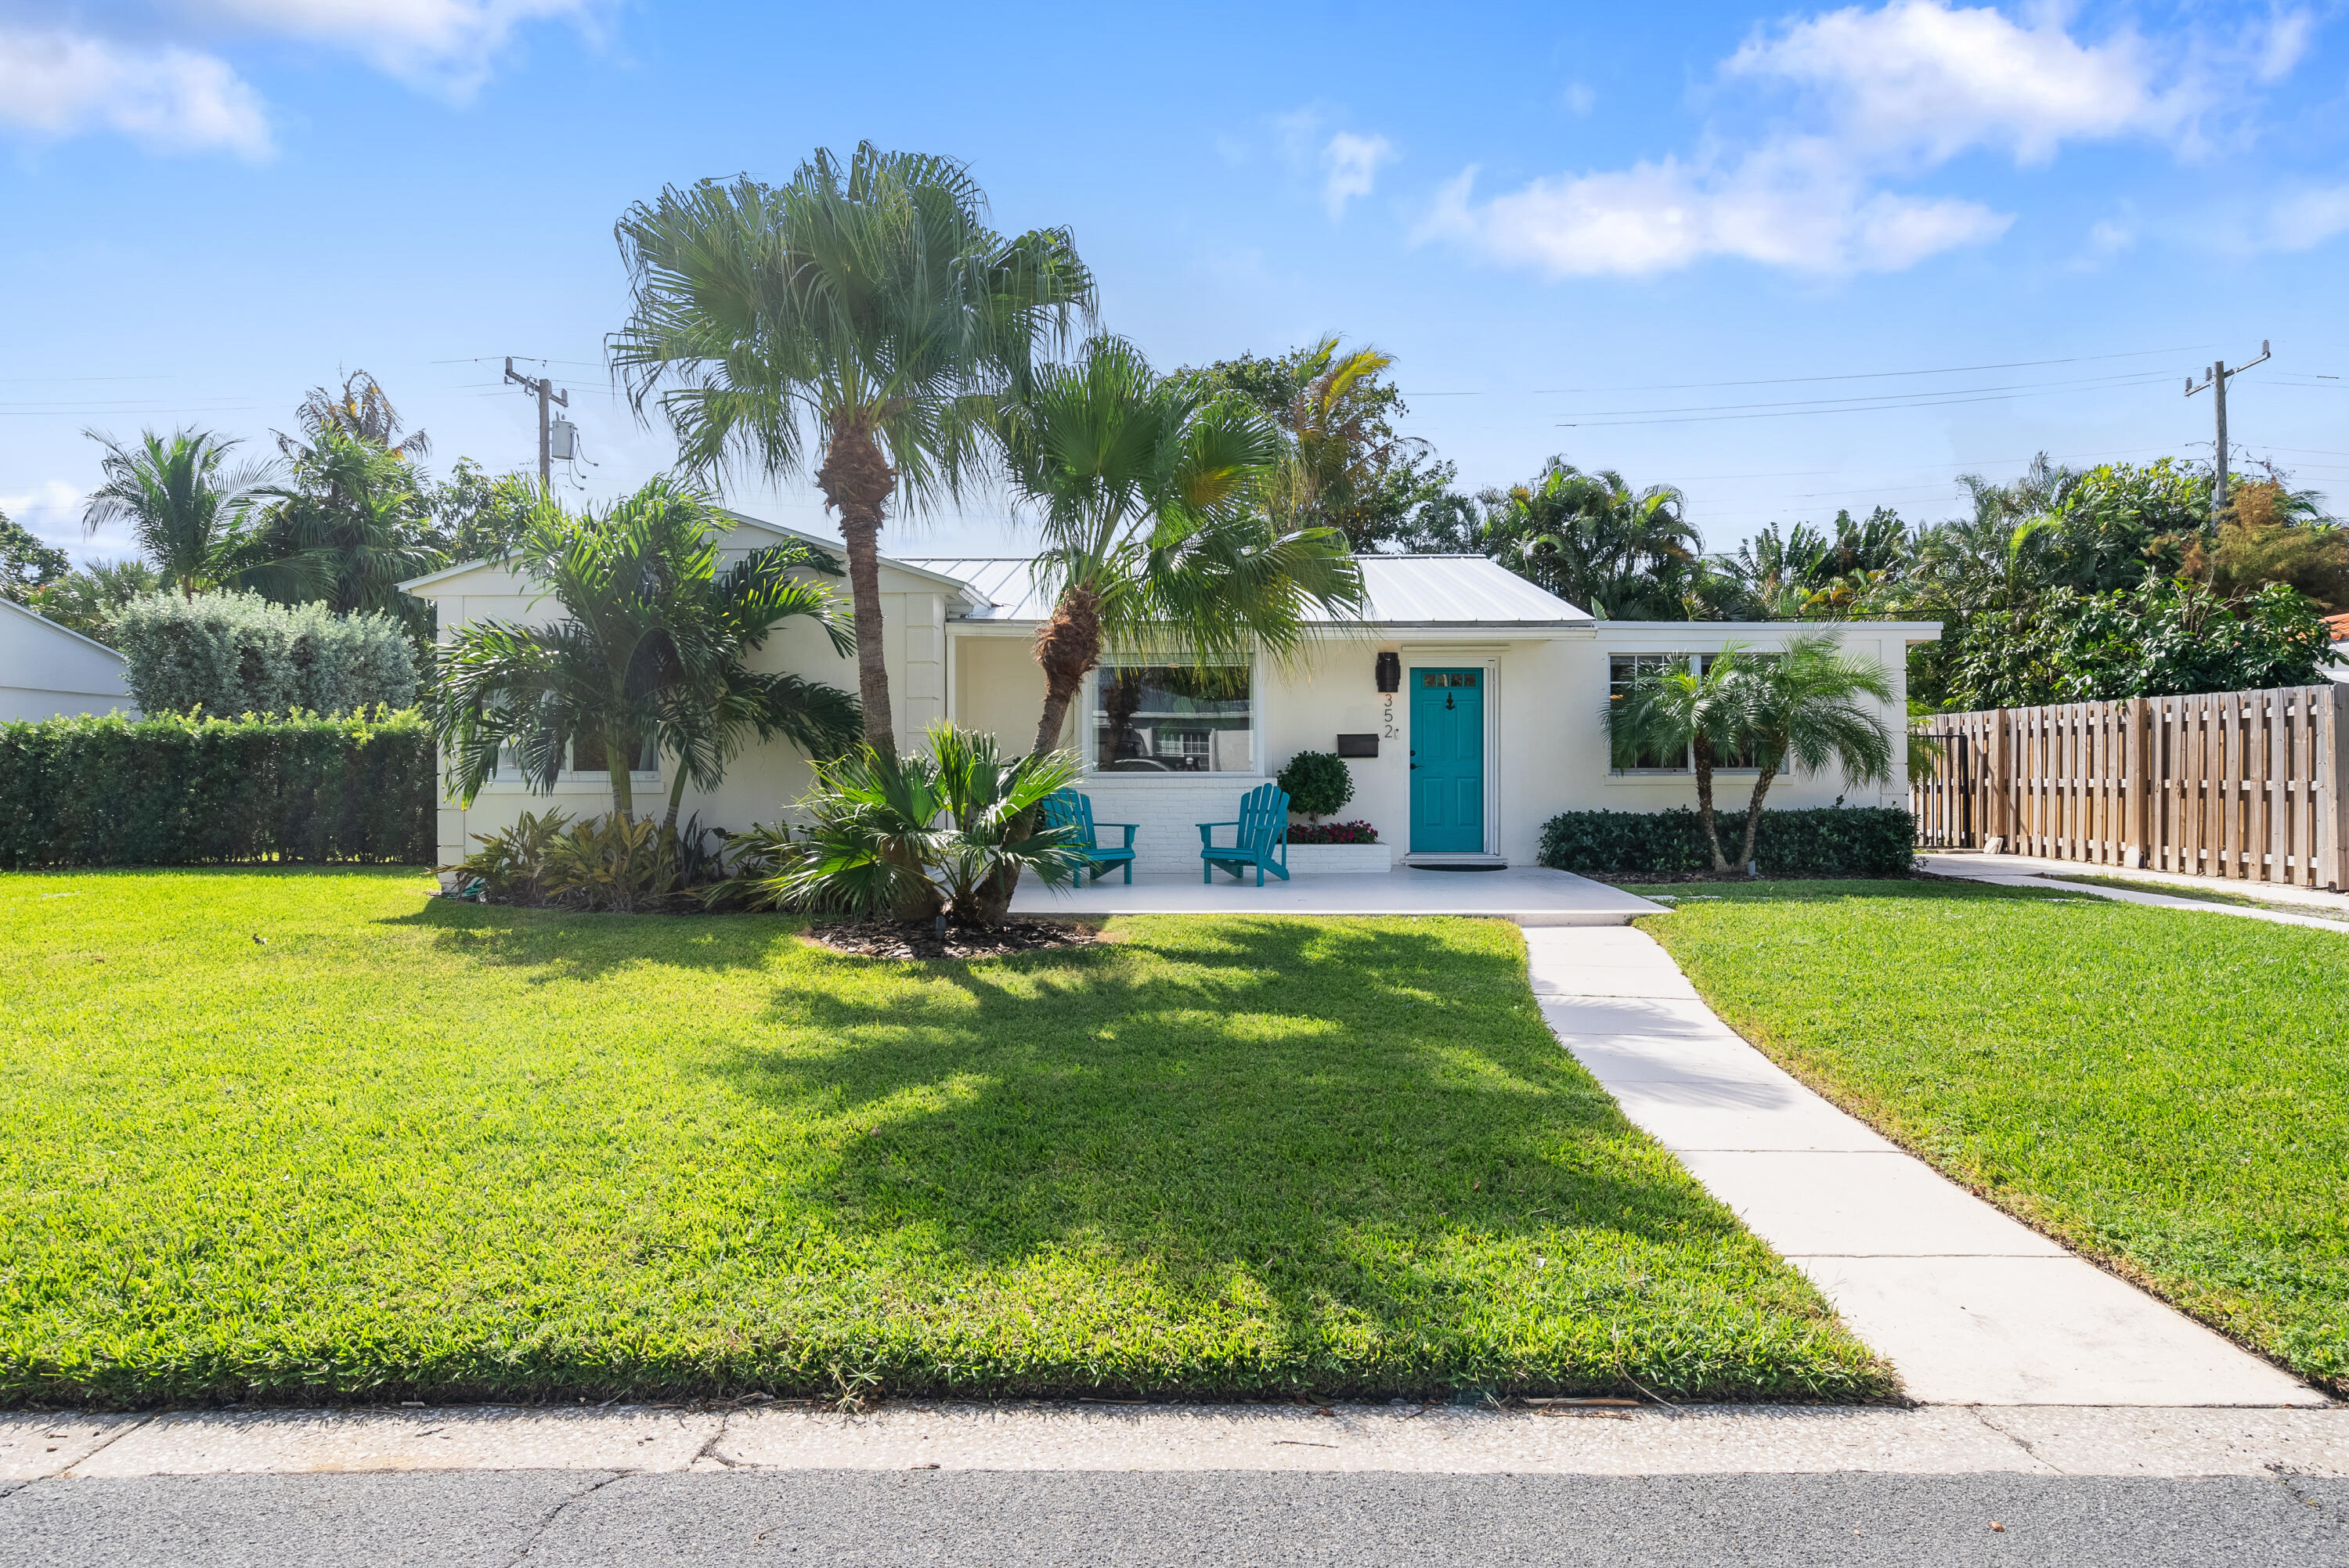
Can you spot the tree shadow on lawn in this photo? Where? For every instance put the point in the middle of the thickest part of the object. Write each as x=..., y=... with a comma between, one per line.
x=1365, y=1127
x=572, y=944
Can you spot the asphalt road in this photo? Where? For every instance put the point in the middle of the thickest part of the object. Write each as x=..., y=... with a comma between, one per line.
x=497, y=1519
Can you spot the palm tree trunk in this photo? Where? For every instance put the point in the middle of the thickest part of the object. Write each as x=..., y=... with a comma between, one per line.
x=1702, y=747
x=1068, y=646
x=1754, y=813
x=856, y=479
x=675, y=798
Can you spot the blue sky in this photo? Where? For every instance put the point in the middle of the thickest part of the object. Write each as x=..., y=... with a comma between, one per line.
x=1686, y=241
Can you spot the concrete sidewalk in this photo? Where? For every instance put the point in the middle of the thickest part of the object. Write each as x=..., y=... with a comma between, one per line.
x=1033, y=1435
x=2330, y=911
x=1970, y=1306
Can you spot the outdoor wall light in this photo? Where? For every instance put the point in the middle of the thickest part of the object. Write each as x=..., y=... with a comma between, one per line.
x=1390, y=671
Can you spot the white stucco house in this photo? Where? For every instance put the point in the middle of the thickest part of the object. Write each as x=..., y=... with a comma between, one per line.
x=48, y=671
x=1467, y=704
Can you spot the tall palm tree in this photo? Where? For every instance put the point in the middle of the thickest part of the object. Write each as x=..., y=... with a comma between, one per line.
x=648, y=656
x=1594, y=541
x=1147, y=489
x=347, y=526
x=855, y=322
x=180, y=504
x=362, y=410
x=1801, y=709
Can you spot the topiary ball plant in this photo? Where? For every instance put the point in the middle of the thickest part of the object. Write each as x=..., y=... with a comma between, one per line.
x=1318, y=783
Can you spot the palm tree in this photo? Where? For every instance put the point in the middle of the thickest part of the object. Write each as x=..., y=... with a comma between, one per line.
x=1147, y=489
x=925, y=835
x=649, y=656
x=1594, y=541
x=855, y=322
x=1800, y=708
x=180, y=506
x=362, y=410
x=1700, y=712
x=350, y=525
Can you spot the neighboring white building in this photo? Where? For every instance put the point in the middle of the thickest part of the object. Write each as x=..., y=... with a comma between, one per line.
x=1493, y=724
x=47, y=670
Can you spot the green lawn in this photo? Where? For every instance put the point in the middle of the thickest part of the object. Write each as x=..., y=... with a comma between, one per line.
x=403, y=1147
x=2199, y=893
x=2163, y=1091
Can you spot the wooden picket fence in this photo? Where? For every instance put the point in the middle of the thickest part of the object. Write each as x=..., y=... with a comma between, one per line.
x=2245, y=785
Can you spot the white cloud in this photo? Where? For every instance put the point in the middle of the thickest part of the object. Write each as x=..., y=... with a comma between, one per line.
x=1580, y=98
x=449, y=43
x=1349, y=166
x=1880, y=96
x=2306, y=219
x=56, y=83
x=50, y=510
x=1791, y=205
x=1936, y=81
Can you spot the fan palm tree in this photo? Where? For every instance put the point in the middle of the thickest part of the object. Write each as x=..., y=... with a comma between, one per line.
x=855, y=323
x=180, y=506
x=925, y=835
x=1147, y=490
x=649, y=658
x=1700, y=713
x=1594, y=541
x=1801, y=709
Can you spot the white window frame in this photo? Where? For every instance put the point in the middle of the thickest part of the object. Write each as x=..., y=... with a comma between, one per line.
x=1694, y=662
x=1088, y=735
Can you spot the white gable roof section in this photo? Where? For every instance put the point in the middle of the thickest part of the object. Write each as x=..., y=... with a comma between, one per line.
x=1465, y=592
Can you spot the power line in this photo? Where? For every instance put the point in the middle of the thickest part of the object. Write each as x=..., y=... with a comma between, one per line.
x=1796, y=380
x=1897, y=399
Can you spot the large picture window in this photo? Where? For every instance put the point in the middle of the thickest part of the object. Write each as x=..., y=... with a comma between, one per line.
x=1173, y=718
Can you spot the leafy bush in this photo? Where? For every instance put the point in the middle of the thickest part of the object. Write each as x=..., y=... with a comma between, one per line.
x=1333, y=834
x=1823, y=841
x=2163, y=639
x=231, y=654
x=179, y=789
x=605, y=862
x=1318, y=783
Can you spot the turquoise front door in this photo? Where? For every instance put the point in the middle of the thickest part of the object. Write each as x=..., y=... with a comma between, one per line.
x=1447, y=761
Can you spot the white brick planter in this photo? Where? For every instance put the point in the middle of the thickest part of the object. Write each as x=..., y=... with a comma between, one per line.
x=1341, y=857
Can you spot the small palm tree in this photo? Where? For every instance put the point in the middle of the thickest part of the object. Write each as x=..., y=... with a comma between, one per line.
x=182, y=507
x=649, y=658
x=1801, y=709
x=855, y=323
x=925, y=835
x=1700, y=712
x=1148, y=490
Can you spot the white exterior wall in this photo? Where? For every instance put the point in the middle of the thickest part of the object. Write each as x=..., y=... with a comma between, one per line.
x=48, y=671
x=1546, y=746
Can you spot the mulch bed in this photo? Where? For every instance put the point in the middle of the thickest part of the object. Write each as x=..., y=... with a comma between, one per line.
x=919, y=938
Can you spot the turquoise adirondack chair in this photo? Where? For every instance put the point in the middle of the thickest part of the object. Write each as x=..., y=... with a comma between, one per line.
x=1067, y=809
x=1260, y=839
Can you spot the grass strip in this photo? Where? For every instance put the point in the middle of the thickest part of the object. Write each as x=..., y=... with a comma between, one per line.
x=304, y=1135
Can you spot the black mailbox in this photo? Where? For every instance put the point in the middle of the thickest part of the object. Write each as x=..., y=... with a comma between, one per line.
x=1358, y=745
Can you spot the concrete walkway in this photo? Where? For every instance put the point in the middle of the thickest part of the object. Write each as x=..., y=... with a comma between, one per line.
x=2024, y=871
x=1033, y=1435
x=1969, y=1305
x=1530, y=895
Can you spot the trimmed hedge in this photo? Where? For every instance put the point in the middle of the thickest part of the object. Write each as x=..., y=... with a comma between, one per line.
x=176, y=790
x=1822, y=841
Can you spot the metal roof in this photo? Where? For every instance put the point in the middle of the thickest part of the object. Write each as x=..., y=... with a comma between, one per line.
x=1404, y=591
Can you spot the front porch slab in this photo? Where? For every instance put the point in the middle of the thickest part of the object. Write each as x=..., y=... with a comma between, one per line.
x=1530, y=895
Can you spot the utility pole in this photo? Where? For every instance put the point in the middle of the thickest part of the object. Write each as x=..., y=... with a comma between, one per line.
x=547, y=393
x=2216, y=379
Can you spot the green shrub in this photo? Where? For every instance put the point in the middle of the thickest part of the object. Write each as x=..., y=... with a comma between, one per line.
x=179, y=789
x=1822, y=842
x=232, y=653
x=1318, y=783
